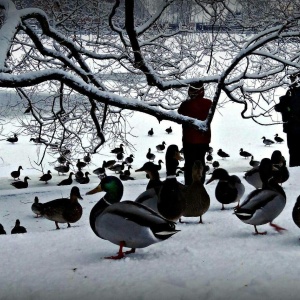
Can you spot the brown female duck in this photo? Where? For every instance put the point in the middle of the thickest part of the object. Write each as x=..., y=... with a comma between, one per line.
x=64, y=210
x=196, y=196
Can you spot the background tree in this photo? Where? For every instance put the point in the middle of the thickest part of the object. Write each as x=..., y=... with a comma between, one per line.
x=81, y=67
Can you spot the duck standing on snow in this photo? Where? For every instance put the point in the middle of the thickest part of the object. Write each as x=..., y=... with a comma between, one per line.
x=87, y=158
x=196, y=196
x=118, y=149
x=222, y=154
x=37, y=207
x=129, y=159
x=85, y=179
x=150, y=155
x=244, y=153
x=150, y=169
x=67, y=181
x=18, y=228
x=16, y=174
x=263, y=205
x=278, y=139
x=63, y=168
x=21, y=184
x=127, y=223
x=150, y=132
x=64, y=210
x=46, y=177
x=280, y=171
x=267, y=142
x=169, y=130
x=229, y=188
x=161, y=147
x=253, y=177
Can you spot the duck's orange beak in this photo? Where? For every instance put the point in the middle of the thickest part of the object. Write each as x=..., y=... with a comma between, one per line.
x=96, y=190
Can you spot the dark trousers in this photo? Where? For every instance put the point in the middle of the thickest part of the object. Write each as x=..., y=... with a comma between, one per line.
x=293, y=143
x=191, y=153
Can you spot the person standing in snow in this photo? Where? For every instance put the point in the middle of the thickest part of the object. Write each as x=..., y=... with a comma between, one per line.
x=195, y=142
x=289, y=107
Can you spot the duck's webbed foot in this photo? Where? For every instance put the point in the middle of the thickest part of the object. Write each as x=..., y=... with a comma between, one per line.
x=276, y=227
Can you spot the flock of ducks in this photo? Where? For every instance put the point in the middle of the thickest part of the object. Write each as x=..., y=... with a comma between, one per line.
x=151, y=217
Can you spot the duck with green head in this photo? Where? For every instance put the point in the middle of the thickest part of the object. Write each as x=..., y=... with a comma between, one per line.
x=127, y=223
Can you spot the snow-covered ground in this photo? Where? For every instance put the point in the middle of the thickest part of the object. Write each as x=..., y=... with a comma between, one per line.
x=220, y=259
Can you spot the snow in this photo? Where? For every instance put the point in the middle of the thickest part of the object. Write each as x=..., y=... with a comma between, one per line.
x=220, y=259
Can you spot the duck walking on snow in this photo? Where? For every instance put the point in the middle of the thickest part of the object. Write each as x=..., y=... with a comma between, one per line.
x=267, y=142
x=13, y=139
x=244, y=153
x=278, y=139
x=67, y=181
x=64, y=210
x=222, y=154
x=16, y=174
x=46, y=177
x=127, y=223
x=150, y=155
x=161, y=147
x=263, y=205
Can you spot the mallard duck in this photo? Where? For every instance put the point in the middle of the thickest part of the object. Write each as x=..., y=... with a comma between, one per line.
x=38, y=140
x=18, y=228
x=267, y=142
x=229, y=188
x=253, y=177
x=171, y=202
x=296, y=212
x=13, y=139
x=118, y=167
x=63, y=169
x=85, y=179
x=125, y=177
x=46, y=177
x=80, y=164
x=169, y=130
x=151, y=170
x=222, y=154
x=120, y=156
x=61, y=159
x=64, y=210
x=79, y=174
x=196, y=196
x=161, y=147
x=150, y=155
x=129, y=159
x=16, y=174
x=2, y=231
x=37, y=207
x=278, y=139
x=127, y=223
x=254, y=163
x=244, y=153
x=21, y=184
x=67, y=181
x=117, y=150
x=263, y=205
x=280, y=171
x=87, y=158
x=150, y=132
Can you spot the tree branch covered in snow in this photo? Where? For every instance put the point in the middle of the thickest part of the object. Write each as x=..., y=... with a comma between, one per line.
x=82, y=67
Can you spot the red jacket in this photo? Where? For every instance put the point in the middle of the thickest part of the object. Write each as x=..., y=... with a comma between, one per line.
x=197, y=108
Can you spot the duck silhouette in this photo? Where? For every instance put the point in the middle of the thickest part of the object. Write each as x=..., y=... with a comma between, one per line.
x=118, y=149
x=169, y=130
x=16, y=174
x=13, y=139
x=46, y=177
x=21, y=184
x=18, y=228
x=67, y=181
x=161, y=147
x=222, y=154
x=85, y=179
x=63, y=168
x=267, y=142
x=64, y=210
x=126, y=223
x=2, y=231
x=87, y=158
x=150, y=132
x=244, y=153
x=150, y=155
x=278, y=139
